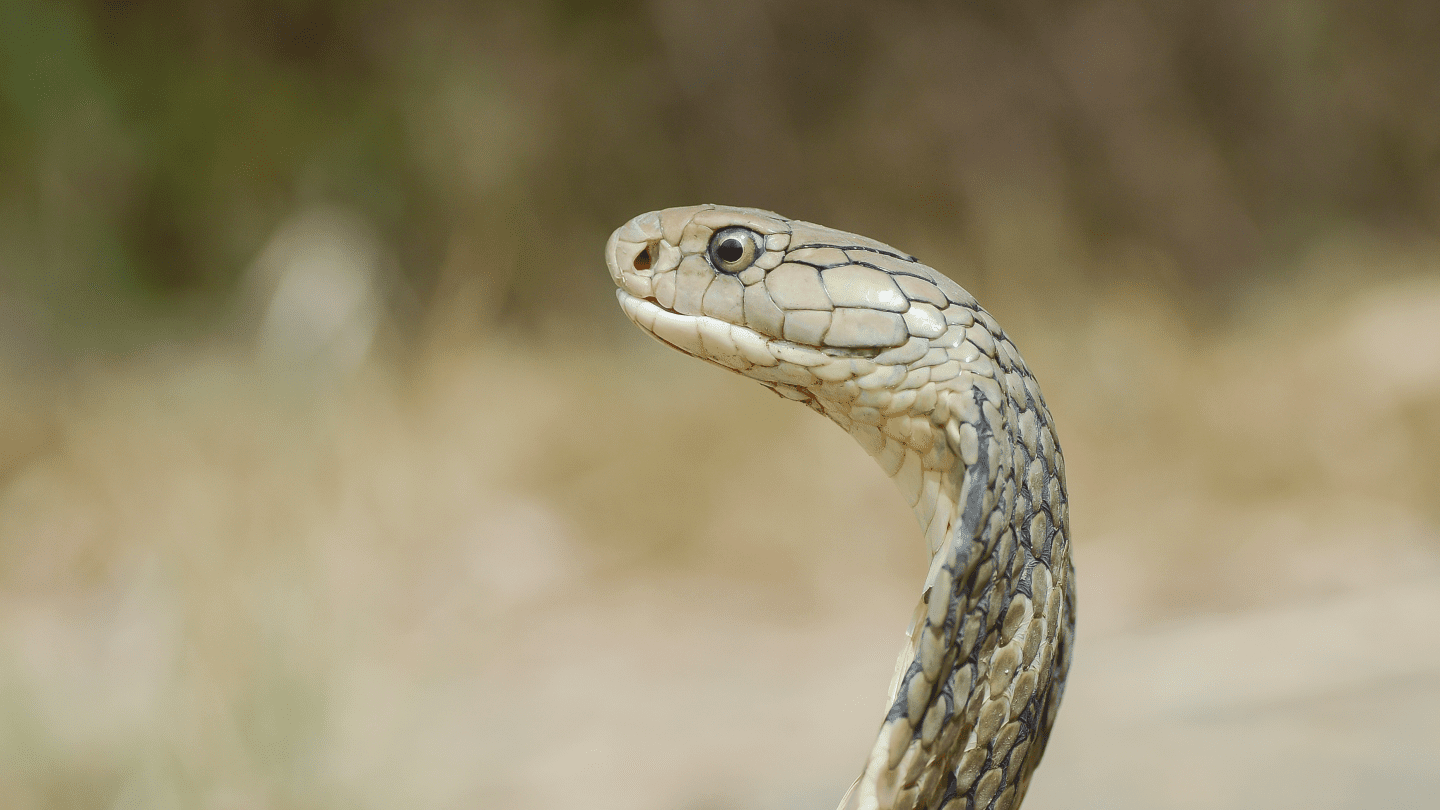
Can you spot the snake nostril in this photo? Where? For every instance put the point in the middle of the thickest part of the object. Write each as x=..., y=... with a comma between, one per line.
x=642, y=262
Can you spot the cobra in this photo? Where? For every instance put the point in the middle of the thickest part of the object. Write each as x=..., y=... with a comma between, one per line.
x=905, y=361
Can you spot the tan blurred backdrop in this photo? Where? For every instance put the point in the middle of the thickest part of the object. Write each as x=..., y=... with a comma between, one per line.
x=332, y=477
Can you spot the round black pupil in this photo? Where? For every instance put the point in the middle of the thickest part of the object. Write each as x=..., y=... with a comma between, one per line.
x=730, y=250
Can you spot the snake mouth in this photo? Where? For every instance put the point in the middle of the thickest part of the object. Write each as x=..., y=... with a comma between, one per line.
x=635, y=305
x=726, y=344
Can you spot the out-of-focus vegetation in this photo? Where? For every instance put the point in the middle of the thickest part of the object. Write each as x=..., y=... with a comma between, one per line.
x=331, y=476
x=149, y=149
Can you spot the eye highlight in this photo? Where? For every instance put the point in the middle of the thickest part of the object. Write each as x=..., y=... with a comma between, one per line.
x=734, y=249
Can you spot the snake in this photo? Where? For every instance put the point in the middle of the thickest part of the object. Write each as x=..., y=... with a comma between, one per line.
x=909, y=364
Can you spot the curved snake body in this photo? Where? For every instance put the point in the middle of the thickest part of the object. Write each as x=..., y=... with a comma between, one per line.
x=908, y=363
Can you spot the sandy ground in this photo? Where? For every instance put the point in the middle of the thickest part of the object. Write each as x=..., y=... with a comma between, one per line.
x=552, y=577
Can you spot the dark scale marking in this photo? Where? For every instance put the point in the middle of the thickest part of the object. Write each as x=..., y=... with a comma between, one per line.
x=893, y=272
x=899, y=256
x=1026, y=583
x=1049, y=547
x=973, y=517
x=897, y=709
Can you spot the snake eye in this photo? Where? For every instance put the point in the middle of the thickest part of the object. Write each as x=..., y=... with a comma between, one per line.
x=734, y=249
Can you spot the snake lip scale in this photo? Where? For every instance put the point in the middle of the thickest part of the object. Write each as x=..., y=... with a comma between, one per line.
x=910, y=365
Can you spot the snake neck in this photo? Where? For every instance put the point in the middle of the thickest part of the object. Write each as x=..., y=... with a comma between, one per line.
x=942, y=446
x=979, y=678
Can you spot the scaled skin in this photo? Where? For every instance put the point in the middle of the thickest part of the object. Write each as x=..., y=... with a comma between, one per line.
x=905, y=361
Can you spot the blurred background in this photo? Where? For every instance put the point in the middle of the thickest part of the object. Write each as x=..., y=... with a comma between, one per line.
x=331, y=476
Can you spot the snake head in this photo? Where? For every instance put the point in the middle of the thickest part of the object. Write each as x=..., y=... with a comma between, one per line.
x=798, y=306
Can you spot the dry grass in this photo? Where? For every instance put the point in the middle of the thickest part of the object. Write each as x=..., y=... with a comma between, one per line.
x=547, y=576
